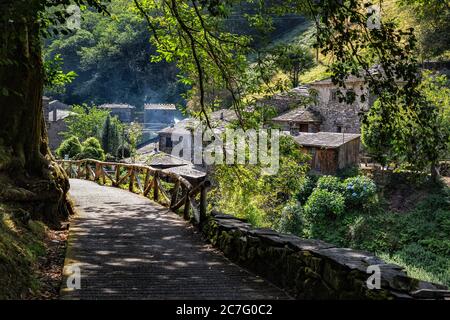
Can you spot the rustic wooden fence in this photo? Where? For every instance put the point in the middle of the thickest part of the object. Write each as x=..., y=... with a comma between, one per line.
x=167, y=188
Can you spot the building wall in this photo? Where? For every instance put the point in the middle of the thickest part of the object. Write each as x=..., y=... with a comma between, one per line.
x=53, y=130
x=348, y=154
x=124, y=115
x=165, y=143
x=161, y=116
x=294, y=127
x=339, y=117
x=329, y=161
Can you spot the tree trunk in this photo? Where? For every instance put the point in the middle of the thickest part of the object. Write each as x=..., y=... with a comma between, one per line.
x=434, y=172
x=29, y=174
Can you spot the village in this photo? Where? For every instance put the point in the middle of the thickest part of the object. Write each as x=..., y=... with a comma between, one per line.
x=327, y=129
x=193, y=150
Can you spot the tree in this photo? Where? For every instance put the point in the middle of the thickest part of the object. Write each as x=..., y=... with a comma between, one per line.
x=294, y=60
x=30, y=175
x=85, y=122
x=111, y=135
x=111, y=58
x=70, y=147
x=421, y=134
x=91, y=149
x=133, y=135
x=55, y=79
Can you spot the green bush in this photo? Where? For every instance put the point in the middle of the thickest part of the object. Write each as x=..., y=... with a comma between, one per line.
x=306, y=188
x=92, y=150
x=359, y=191
x=324, y=205
x=329, y=183
x=92, y=142
x=70, y=146
x=348, y=172
x=291, y=220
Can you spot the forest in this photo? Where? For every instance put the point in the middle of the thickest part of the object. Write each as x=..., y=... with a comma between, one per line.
x=206, y=56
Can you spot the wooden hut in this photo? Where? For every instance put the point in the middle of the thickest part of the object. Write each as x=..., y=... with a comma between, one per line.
x=330, y=151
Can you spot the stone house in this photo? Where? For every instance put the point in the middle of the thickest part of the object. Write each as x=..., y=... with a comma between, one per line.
x=218, y=119
x=123, y=111
x=54, y=114
x=299, y=120
x=159, y=115
x=316, y=107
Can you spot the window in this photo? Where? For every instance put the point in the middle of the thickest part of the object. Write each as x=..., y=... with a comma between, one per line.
x=334, y=95
x=303, y=127
x=168, y=142
x=339, y=129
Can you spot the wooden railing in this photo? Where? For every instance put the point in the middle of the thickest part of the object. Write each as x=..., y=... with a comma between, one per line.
x=167, y=188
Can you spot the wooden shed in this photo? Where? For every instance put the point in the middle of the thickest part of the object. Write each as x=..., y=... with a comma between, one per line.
x=330, y=151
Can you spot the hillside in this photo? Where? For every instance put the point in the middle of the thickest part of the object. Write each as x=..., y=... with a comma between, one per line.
x=112, y=57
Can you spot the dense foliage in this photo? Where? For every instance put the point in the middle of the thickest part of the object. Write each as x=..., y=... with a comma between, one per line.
x=70, y=147
x=91, y=149
x=420, y=136
x=111, y=56
x=245, y=191
x=352, y=213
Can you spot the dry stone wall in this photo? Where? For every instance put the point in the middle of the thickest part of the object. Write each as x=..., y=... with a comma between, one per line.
x=311, y=269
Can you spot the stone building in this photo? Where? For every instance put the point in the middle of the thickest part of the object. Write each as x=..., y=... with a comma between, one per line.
x=299, y=120
x=54, y=114
x=123, y=111
x=218, y=120
x=322, y=111
x=159, y=115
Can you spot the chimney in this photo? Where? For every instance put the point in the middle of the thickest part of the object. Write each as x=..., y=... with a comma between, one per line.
x=54, y=114
x=45, y=109
x=221, y=116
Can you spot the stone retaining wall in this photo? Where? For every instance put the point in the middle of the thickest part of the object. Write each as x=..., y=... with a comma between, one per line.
x=311, y=269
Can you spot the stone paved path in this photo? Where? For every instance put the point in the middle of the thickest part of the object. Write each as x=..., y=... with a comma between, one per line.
x=129, y=247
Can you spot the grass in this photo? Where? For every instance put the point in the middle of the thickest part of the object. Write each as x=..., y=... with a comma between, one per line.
x=21, y=244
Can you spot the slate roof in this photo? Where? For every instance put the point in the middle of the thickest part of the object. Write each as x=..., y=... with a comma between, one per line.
x=218, y=121
x=159, y=106
x=56, y=104
x=301, y=114
x=60, y=114
x=328, y=140
x=116, y=106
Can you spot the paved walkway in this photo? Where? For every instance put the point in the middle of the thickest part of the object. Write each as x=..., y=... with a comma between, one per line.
x=129, y=247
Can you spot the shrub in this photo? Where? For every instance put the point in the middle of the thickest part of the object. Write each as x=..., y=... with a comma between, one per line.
x=359, y=191
x=92, y=142
x=323, y=204
x=125, y=150
x=329, y=183
x=348, y=172
x=291, y=220
x=92, y=150
x=71, y=147
x=306, y=188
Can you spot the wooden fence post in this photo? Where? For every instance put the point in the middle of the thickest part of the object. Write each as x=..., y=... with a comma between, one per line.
x=155, y=187
x=87, y=171
x=203, y=202
x=173, y=201
x=131, y=184
x=116, y=184
x=98, y=172
x=187, y=204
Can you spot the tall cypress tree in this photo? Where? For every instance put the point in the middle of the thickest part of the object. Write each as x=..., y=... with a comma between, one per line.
x=106, y=135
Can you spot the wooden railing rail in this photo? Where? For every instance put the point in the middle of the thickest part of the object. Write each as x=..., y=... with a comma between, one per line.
x=150, y=182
